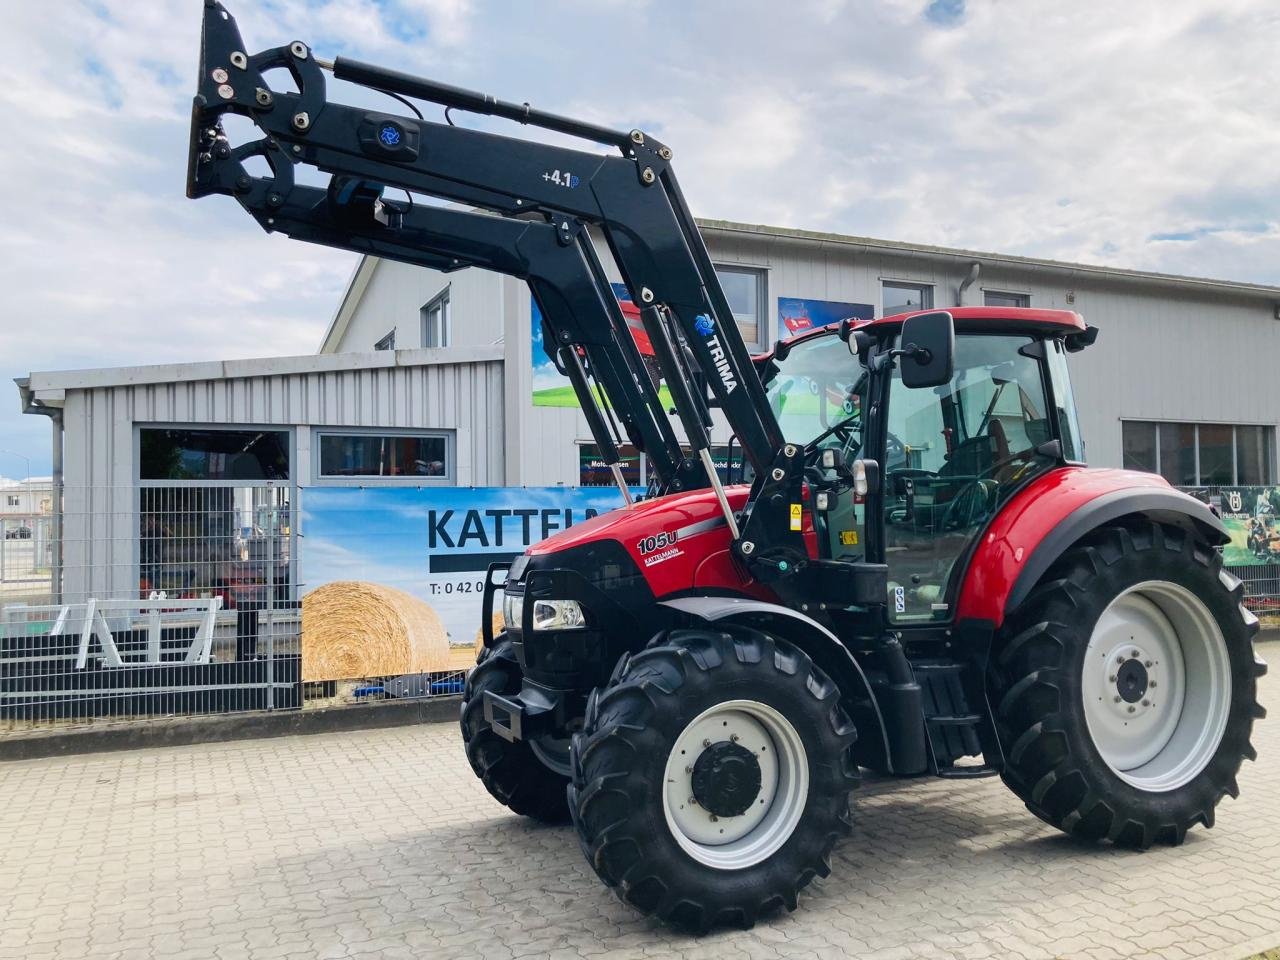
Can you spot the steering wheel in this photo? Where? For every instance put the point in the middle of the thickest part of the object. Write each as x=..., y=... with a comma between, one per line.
x=968, y=506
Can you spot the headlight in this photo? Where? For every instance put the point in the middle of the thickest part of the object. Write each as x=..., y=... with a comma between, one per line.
x=512, y=610
x=558, y=615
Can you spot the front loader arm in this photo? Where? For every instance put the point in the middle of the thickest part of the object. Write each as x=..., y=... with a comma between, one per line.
x=351, y=215
x=633, y=199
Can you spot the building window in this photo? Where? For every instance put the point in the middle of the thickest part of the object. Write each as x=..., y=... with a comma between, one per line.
x=745, y=289
x=997, y=298
x=13, y=501
x=387, y=343
x=436, y=321
x=1199, y=454
x=206, y=455
x=366, y=455
x=637, y=470
x=905, y=297
x=593, y=471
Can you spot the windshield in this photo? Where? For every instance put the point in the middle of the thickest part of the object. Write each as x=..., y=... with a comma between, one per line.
x=817, y=394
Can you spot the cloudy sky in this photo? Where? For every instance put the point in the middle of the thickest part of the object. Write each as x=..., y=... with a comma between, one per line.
x=1143, y=134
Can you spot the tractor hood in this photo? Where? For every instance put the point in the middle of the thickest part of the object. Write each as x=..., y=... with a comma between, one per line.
x=677, y=543
x=644, y=518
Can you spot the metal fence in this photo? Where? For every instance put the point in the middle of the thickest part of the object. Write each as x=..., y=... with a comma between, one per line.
x=185, y=599
x=26, y=552
x=160, y=600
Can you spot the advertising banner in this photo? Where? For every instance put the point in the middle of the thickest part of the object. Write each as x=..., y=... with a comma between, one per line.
x=797, y=316
x=550, y=387
x=393, y=576
x=1252, y=517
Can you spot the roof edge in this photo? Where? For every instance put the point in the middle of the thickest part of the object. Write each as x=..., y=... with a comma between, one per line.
x=959, y=253
x=41, y=381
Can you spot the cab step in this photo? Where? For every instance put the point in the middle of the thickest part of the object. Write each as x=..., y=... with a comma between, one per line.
x=956, y=720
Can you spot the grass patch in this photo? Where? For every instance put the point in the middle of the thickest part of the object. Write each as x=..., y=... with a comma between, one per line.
x=565, y=397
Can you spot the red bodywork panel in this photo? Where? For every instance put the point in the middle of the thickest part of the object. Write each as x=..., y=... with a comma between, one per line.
x=641, y=336
x=698, y=558
x=1024, y=522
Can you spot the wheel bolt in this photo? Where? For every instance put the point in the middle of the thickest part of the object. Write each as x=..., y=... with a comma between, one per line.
x=1134, y=654
x=1119, y=658
x=706, y=743
x=1152, y=684
x=1132, y=708
x=688, y=769
x=714, y=818
x=1111, y=679
x=1146, y=703
x=693, y=801
x=1117, y=698
x=733, y=737
x=1148, y=664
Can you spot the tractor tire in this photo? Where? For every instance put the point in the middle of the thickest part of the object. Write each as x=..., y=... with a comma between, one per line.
x=513, y=773
x=1124, y=687
x=703, y=732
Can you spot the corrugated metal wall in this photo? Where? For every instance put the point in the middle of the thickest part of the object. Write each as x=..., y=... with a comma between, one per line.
x=100, y=454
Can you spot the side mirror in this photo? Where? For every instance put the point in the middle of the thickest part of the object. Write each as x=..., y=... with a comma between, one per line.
x=928, y=349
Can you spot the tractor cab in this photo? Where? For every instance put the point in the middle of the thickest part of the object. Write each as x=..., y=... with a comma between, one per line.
x=995, y=412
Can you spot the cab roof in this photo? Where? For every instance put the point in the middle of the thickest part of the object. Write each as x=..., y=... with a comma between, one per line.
x=1032, y=320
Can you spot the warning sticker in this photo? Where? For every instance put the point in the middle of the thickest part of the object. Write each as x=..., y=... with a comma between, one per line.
x=795, y=516
x=848, y=538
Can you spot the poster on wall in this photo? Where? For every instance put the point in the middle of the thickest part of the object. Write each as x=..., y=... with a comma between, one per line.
x=393, y=577
x=552, y=389
x=796, y=315
x=1252, y=518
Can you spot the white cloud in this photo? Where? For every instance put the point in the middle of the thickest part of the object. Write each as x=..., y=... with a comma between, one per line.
x=1085, y=131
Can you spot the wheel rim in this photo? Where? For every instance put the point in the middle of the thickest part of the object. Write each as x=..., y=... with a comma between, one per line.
x=553, y=752
x=1156, y=686
x=737, y=842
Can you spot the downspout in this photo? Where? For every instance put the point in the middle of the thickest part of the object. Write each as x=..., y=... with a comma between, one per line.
x=31, y=405
x=970, y=280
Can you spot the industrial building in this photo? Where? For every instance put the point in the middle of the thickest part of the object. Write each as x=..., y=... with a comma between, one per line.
x=440, y=368
x=201, y=480
x=1181, y=381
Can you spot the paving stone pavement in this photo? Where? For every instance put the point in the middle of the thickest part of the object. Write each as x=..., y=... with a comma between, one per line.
x=380, y=843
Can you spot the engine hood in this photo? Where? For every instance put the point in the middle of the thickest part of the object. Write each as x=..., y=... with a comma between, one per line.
x=644, y=518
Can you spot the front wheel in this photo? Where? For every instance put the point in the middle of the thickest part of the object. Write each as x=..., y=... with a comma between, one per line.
x=712, y=777
x=528, y=777
x=1125, y=687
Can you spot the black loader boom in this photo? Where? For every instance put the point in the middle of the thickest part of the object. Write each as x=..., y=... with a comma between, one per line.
x=545, y=197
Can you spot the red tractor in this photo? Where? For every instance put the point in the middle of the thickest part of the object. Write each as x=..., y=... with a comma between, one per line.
x=921, y=578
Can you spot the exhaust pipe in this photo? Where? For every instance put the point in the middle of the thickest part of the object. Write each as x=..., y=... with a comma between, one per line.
x=969, y=281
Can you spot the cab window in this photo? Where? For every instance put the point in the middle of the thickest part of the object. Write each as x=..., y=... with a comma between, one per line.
x=953, y=454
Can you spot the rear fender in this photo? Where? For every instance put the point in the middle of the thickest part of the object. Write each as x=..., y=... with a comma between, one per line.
x=823, y=648
x=1054, y=513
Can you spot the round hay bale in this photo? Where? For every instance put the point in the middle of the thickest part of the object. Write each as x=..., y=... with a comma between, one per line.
x=498, y=626
x=352, y=629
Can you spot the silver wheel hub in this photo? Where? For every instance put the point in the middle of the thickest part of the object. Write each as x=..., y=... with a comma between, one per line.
x=1156, y=686
x=717, y=758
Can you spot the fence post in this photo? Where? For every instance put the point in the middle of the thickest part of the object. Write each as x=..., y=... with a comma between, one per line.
x=271, y=599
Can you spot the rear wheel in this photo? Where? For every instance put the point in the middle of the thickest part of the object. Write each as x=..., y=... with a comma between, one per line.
x=529, y=778
x=1125, y=687
x=712, y=777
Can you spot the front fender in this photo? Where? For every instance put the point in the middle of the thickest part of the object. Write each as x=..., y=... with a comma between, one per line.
x=1054, y=512
x=822, y=646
